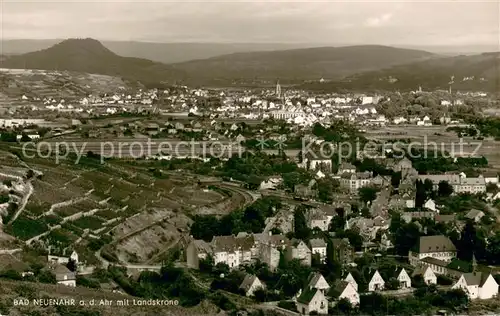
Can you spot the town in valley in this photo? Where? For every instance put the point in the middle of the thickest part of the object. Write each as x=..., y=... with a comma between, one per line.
x=248, y=179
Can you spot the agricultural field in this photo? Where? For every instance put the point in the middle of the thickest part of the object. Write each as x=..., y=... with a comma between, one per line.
x=438, y=135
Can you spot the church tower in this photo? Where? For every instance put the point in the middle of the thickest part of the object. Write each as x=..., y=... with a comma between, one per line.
x=278, y=90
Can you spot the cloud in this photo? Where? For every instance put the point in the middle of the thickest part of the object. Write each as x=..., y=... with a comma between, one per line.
x=379, y=21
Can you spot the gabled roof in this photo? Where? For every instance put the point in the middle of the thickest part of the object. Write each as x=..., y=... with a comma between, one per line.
x=375, y=274
x=434, y=261
x=338, y=289
x=340, y=242
x=313, y=279
x=232, y=243
x=421, y=270
x=350, y=278
x=437, y=243
x=473, y=214
x=307, y=295
x=476, y=278
x=61, y=271
x=248, y=282
x=317, y=243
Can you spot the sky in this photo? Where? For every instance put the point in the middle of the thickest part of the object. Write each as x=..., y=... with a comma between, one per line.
x=416, y=22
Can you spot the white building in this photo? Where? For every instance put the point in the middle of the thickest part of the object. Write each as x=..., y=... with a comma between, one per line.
x=348, y=292
x=438, y=246
x=376, y=283
x=427, y=274
x=404, y=279
x=349, y=278
x=477, y=285
x=250, y=284
x=318, y=246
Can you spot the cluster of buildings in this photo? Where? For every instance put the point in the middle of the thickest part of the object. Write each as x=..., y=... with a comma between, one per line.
x=436, y=255
x=244, y=248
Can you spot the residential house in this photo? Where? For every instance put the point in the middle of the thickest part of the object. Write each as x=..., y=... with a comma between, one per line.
x=318, y=246
x=317, y=281
x=477, y=285
x=268, y=248
x=474, y=215
x=346, y=167
x=271, y=183
x=304, y=191
x=430, y=205
x=460, y=183
x=317, y=218
x=345, y=290
x=298, y=250
x=376, y=283
x=343, y=252
x=312, y=300
x=438, y=246
x=325, y=165
x=427, y=274
x=354, y=181
x=349, y=278
x=197, y=250
x=404, y=279
x=64, y=276
x=491, y=177
x=385, y=241
x=250, y=284
x=240, y=139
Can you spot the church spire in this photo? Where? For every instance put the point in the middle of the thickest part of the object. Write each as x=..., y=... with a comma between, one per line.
x=474, y=263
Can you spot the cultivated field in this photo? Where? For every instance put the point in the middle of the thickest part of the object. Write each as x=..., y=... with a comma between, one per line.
x=449, y=141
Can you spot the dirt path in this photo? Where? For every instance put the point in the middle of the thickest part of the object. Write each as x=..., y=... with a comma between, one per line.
x=24, y=201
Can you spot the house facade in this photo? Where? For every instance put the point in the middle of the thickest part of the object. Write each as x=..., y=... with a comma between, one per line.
x=477, y=285
x=250, y=284
x=427, y=274
x=297, y=249
x=404, y=279
x=376, y=283
x=438, y=246
x=312, y=300
x=318, y=247
x=348, y=292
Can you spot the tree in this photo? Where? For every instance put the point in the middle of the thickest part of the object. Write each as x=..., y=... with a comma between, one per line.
x=367, y=194
x=71, y=265
x=206, y=265
x=470, y=243
x=30, y=174
x=46, y=277
x=344, y=306
x=25, y=138
x=301, y=229
x=396, y=179
x=445, y=189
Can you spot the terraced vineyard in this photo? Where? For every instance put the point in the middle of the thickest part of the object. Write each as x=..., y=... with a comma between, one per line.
x=74, y=205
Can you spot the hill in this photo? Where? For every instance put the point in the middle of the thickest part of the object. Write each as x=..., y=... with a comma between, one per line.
x=90, y=56
x=474, y=73
x=297, y=65
x=160, y=52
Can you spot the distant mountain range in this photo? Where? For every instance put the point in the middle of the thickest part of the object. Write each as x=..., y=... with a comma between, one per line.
x=353, y=67
x=477, y=72
x=297, y=65
x=161, y=52
x=181, y=52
